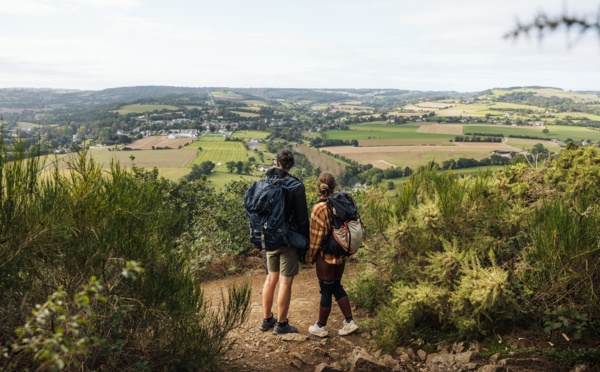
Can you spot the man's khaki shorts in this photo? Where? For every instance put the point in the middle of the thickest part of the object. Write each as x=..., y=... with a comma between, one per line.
x=283, y=260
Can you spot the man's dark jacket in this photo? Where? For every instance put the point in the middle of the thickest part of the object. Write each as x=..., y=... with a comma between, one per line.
x=296, y=209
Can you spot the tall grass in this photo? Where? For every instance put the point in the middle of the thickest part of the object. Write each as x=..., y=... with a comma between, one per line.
x=57, y=232
x=564, y=254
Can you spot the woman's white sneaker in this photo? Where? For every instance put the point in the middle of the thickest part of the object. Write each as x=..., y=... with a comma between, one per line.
x=318, y=331
x=348, y=328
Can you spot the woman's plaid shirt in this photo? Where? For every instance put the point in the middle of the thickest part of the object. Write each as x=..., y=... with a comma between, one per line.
x=321, y=224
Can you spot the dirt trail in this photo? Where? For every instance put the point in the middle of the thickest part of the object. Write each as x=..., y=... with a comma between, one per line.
x=262, y=351
x=254, y=350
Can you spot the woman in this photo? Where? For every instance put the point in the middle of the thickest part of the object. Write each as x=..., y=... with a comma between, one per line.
x=329, y=268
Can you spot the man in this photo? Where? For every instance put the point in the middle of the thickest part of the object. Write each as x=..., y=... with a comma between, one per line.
x=283, y=263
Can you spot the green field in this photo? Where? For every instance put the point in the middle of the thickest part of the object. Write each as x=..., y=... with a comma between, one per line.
x=161, y=159
x=249, y=134
x=246, y=114
x=226, y=95
x=171, y=164
x=382, y=131
x=577, y=115
x=254, y=102
x=25, y=125
x=128, y=109
x=218, y=151
x=219, y=179
x=482, y=109
x=561, y=132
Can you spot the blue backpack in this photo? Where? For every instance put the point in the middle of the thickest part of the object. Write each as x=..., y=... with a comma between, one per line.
x=265, y=209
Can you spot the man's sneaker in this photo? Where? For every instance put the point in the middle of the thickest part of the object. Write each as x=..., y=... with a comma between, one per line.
x=318, y=331
x=285, y=328
x=348, y=328
x=268, y=323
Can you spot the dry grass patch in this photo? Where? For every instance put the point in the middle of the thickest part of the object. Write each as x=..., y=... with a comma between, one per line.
x=435, y=105
x=441, y=128
x=414, y=156
x=404, y=142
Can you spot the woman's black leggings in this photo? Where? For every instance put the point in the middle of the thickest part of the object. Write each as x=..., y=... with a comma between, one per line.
x=330, y=281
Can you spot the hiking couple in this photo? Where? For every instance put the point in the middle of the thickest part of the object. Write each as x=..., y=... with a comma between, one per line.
x=282, y=264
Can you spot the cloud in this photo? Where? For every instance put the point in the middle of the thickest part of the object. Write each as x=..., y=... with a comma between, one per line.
x=28, y=7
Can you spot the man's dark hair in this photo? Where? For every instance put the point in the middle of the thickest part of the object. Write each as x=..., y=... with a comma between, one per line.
x=286, y=159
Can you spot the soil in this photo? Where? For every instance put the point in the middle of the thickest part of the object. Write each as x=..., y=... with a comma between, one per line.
x=254, y=350
x=262, y=351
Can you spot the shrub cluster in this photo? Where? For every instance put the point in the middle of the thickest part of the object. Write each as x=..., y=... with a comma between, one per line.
x=71, y=244
x=467, y=255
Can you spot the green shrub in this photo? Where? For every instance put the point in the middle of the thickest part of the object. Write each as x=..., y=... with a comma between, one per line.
x=368, y=291
x=57, y=231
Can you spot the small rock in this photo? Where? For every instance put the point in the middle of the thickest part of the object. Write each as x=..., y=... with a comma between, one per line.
x=405, y=358
x=298, y=356
x=511, y=362
x=443, y=346
x=296, y=364
x=295, y=337
x=466, y=357
x=422, y=354
x=320, y=352
x=459, y=347
x=411, y=368
x=389, y=361
x=430, y=357
x=474, y=346
x=377, y=353
x=491, y=368
x=337, y=366
x=363, y=361
x=323, y=342
x=580, y=368
x=494, y=358
x=349, y=344
x=324, y=367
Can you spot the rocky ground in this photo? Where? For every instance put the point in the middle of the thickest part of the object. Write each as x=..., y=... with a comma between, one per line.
x=254, y=350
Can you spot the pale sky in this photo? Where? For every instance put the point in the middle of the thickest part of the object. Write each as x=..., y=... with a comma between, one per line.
x=418, y=45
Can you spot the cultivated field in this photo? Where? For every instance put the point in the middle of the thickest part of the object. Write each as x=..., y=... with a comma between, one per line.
x=226, y=95
x=128, y=109
x=254, y=102
x=218, y=151
x=147, y=143
x=145, y=158
x=249, y=134
x=414, y=156
x=350, y=107
x=527, y=144
x=456, y=129
x=322, y=161
x=25, y=125
x=246, y=114
x=384, y=132
x=561, y=132
x=428, y=106
x=219, y=179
